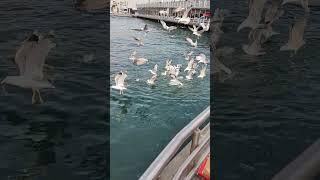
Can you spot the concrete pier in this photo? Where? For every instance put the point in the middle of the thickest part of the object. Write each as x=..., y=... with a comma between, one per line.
x=200, y=11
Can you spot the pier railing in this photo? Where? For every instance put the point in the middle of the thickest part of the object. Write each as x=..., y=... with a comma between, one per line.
x=170, y=151
x=183, y=4
x=305, y=167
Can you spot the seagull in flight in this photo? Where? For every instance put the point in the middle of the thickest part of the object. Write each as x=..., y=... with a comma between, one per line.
x=203, y=71
x=204, y=26
x=192, y=70
x=154, y=70
x=167, y=67
x=185, y=19
x=179, y=9
x=218, y=66
x=304, y=3
x=168, y=28
x=187, y=57
x=120, y=81
x=154, y=74
x=296, y=32
x=194, y=44
x=202, y=59
x=196, y=31
x=254, y=47
x=30, y=65
x=255, y=15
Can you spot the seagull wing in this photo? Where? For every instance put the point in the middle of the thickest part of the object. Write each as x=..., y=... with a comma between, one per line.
x=298, y=30
x=189, y=40
x=36, y=59
x=21, y=55
x=191, y=29
x=186, y=13
x=164, y=25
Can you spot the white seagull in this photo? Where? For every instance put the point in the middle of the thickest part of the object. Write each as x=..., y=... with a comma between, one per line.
x=219, y=66
x=168, y=28
x=139, y=41
x=137, y=60
x=190, y=64
x=204, y=26
x=218, y=15
x=296, y=33
x=304, y=3
x=31, y=67
x=154, y=70
x=254, y=47
x=195, y=30
x=120, y=81
x=187, y=57
x=202, y=59
x=152, y=80
x=203, y=71
x=185, y=19
x=145, y=29
x=192, y=71
x=194, y=44
x=255, y=15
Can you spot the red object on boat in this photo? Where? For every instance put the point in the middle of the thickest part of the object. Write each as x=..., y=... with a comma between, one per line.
x=204, y=170
x=207, y=14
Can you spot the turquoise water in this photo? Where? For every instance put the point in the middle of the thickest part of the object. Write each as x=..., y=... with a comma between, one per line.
x=144, y=119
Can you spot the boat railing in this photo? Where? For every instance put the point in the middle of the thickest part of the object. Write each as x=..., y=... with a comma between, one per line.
x=305, y=167
x=171, y=150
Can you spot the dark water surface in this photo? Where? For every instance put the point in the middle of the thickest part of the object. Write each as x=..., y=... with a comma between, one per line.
x=268, y=113
x=65, y=137
x=145, y=119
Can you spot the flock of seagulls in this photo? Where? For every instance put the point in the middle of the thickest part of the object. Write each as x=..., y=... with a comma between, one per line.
x=262, y=15
x=172, y=71
x=30, y=60
x=260, y=20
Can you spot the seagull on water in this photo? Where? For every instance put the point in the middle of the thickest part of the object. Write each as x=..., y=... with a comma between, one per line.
x=139, y=41
x=30, y=65
x=194, y=44
x=145, y=29
x=120, y=81
x=137, y=60
x=255, y=15
x=168, y=28
x=296, y=33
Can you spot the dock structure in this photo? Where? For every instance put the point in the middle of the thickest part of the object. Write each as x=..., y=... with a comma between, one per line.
x=200, y=10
